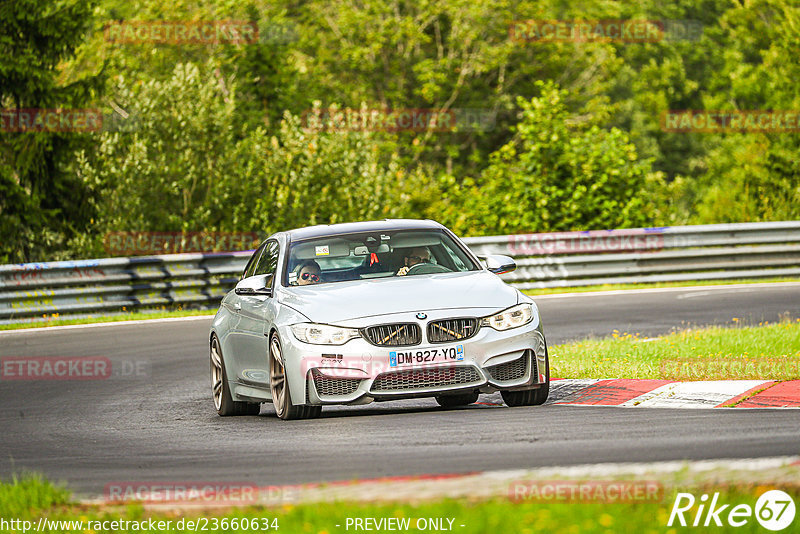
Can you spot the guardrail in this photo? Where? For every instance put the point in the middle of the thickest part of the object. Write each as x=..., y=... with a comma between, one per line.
x=565, y=259
x=677, y=253
x=79, y=288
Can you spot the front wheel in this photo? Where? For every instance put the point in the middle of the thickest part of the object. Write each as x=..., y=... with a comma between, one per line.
x=531, y=397
x=279, y=385
x=220, y=389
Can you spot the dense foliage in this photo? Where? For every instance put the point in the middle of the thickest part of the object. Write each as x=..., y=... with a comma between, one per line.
x=216, y=136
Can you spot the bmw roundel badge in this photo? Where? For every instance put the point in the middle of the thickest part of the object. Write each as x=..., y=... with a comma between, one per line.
x=421, y=315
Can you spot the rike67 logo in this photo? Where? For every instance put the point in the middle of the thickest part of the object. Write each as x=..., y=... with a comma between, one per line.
x=774, y=510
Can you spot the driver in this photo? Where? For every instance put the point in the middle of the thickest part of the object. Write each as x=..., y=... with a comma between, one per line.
x=414, y=257
x=308, y=273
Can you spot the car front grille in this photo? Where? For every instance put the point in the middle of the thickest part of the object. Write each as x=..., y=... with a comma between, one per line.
x=393, y=335
x=329, y=386
x=452, y=329
x=513, y=370
x=425, y=378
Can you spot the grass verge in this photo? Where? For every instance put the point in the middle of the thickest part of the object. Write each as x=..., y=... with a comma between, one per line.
x=30, y=499
x=765, y=352
x=615, y=287
x=54, y=320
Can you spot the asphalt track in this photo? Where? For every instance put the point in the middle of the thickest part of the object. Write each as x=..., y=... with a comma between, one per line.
x=160, y=426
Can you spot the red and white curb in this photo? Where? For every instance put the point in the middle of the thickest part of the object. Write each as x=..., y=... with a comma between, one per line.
x=672, y=394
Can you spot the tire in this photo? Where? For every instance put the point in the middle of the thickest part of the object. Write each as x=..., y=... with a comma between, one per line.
x=452, y=401
x=220, y=389
x=281, y=397
x=531, y=397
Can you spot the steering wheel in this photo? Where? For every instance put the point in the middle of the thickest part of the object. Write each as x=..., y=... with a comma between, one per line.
x=427, y=268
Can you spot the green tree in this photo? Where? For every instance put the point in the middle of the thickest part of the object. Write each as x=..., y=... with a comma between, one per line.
x=753, y=176
x=223, y=133
x=42, y=204
x=443, y=56
x=190, y=166
x=560, y=172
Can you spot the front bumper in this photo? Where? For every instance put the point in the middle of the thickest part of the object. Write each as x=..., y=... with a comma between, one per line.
x=359, y=372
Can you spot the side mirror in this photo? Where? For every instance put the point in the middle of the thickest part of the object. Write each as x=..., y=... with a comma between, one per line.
x=255, y=285
x=498, y=264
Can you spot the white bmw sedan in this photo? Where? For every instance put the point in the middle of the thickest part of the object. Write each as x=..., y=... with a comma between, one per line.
x=373, y=311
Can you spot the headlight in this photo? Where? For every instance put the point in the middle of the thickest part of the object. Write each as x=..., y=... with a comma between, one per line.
x=323, y=334
x=519, y=315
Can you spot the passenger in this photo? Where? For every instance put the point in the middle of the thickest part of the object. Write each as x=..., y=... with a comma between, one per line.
x=413, y=257
x=308, y=273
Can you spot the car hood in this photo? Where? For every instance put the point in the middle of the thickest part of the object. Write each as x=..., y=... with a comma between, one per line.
x=344, y=301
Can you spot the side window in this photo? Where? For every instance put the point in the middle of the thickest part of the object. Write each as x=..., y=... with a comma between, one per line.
x=251, y=265
x=268, y=263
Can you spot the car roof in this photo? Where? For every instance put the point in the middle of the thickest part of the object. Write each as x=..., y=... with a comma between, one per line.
x=323, y=230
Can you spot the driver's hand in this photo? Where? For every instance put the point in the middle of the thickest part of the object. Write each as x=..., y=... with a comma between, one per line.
x=402, y=271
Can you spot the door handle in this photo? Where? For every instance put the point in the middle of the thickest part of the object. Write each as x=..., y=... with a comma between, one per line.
x=237, y=306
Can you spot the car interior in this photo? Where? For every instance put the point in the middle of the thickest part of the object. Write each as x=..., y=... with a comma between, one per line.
x=372, y=256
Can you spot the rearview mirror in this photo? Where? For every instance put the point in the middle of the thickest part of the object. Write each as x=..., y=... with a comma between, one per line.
x=498, y=264
x=255, y=285
x=362, y=250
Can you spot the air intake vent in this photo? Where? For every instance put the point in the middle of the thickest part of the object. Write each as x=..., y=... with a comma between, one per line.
x=425, y=378
x=393, y=335
x=513, y=370
x=452, y=329
x=326, y=385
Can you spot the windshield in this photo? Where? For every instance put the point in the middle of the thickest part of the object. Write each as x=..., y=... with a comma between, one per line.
x=367, y=255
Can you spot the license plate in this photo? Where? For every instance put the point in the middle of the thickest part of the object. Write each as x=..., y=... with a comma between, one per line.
x=422, y=356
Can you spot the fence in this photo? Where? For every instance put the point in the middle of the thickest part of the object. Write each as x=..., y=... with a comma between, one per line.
x=567, y=259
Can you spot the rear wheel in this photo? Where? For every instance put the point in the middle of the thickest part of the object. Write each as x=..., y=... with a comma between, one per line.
x=220, y=389
x=279, y=385
x=462, y=399
x=531, y=397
